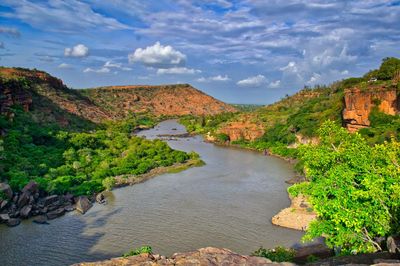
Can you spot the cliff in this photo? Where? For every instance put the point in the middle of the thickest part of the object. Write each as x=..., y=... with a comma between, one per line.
x=244, y=129
x=359, y=104
x=180, y=99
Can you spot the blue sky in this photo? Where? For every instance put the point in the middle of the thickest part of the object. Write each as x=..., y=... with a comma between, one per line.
x=251, y=51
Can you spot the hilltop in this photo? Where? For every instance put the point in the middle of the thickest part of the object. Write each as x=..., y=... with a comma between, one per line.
x=179, y=99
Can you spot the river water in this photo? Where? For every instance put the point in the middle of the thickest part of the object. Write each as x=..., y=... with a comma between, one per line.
x=227, y=203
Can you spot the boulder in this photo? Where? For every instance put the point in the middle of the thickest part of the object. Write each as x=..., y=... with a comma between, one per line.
x=50, y=199
x=68, y=197
x=6, y=190
x=83, y=204
x=32, y=187
x=393, y=244
x=23, y=199
x=41, y=219
x=56, y=213
x=3, y=204
x=25, y=211
x=69, y=208
x=4, y=217
x=100, y=198
x=13, y=222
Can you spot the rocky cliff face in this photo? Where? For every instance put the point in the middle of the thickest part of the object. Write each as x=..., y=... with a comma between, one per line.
x=359, y=103
x=243, y=129
x=181, y=99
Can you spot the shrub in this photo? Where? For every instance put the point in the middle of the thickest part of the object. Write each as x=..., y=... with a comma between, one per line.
x=138, y=251
x=278, y=254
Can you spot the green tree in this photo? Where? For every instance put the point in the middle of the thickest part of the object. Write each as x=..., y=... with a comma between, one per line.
x=353, y=187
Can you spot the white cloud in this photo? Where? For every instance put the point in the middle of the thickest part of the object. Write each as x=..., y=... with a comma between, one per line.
x=78, y=50
x=110, y=64
x=177, y=70
x=101, y=70
x=274, y=84
x=314, y=79
x=290, y=67
x=255, y=81
x=158, y=56
x=214, y=78
x=64, y=65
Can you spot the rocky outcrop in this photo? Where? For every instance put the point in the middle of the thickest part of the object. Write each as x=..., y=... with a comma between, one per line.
x=359, y=103
x=298, y=216
x=28, y=203
x=204, y=256
x=243, y=129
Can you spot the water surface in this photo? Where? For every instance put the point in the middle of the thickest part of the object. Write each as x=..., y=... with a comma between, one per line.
x=227, y=203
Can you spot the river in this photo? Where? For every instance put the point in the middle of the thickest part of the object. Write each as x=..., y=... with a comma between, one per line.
x=227, y=203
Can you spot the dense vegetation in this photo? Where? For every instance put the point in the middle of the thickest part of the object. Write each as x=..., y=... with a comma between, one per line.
x=204, y=124
x=78, y=162
x=353, y=187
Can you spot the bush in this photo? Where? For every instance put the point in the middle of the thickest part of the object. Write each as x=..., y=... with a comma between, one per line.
x=278, y=254
x=108, y=183
x=138, y=251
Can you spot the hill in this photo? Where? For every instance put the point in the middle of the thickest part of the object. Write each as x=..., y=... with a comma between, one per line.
x=180, y=99
x=368, y=104
x=49, y=100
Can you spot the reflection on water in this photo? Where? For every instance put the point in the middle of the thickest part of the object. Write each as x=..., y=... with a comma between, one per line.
x=227, y=203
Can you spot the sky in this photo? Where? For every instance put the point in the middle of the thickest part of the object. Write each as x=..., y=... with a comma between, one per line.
x=250, y=51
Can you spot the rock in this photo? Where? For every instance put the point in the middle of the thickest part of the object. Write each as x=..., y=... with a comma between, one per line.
x=23, y=199
x=69, y=208
x=25, y=211
x=100, y=198
x=40, y=220
x=298, y=216
x=32, y=187
x=6, y=190
x=359, y=103
x=54, y=214
x=319, y=250
x=15, y=199
x=3, y=204
x=83, y=204
x=68, y=197
x=244, y=129
x=204, y=257
x=13, y=222
x=4, y=217
x=393, y=244
x=49, y=200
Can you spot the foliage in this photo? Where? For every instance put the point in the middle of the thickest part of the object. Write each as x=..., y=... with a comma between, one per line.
x=78, y=162
x=389, y=67
x=354, y=189
x=138, y=251
x=383, y=127
x=278, y=254
x=204, y=124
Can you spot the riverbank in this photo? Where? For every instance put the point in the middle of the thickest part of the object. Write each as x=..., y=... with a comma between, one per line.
x=31, y=203
x=129, y=180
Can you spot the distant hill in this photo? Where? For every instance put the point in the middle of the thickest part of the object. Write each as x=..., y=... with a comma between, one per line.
x=49, y=100
x=180, y=99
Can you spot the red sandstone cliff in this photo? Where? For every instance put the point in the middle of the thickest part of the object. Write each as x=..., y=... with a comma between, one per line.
x=243, y=129
x=359, y=103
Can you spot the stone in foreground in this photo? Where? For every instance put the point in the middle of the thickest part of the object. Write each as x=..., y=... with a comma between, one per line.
x=204, y=256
